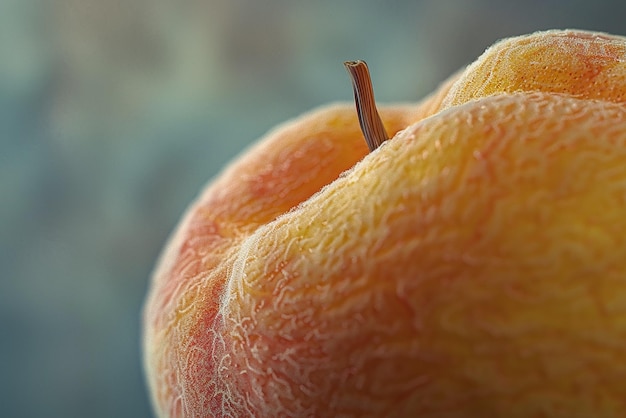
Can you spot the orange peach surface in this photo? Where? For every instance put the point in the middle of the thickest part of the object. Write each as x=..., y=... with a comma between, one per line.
x=472, y=266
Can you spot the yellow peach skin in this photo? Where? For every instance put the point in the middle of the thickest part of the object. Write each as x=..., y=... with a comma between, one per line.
x=472, y=266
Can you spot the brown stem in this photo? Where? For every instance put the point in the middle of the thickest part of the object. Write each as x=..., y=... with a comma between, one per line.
x=369, y=119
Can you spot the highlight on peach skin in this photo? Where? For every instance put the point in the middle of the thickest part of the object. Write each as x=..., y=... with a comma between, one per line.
x=473, y=265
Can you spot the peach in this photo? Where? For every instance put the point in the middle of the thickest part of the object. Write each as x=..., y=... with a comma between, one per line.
x=472, y=266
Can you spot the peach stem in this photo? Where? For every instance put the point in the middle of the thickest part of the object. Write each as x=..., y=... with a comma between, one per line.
x=369, y=119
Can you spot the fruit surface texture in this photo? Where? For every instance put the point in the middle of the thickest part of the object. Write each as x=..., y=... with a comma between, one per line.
x=474, y=265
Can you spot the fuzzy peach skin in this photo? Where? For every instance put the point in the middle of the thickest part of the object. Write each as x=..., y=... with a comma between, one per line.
x=472, y=266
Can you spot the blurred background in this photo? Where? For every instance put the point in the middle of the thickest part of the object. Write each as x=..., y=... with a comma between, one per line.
x=115, y=113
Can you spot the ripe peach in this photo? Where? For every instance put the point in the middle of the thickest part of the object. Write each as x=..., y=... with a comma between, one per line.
x=472, y=266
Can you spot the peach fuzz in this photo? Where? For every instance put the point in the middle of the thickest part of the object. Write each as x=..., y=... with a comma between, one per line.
x=472, y=266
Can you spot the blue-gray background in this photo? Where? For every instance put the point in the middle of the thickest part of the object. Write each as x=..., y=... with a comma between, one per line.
x=113, y=115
